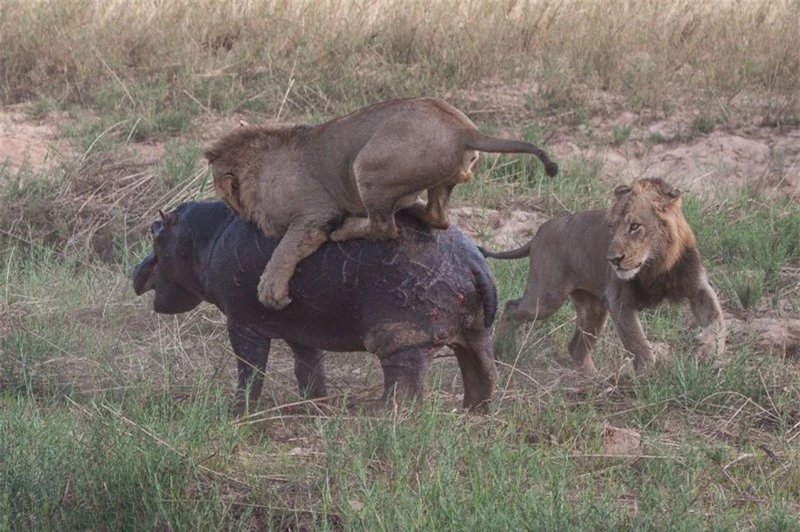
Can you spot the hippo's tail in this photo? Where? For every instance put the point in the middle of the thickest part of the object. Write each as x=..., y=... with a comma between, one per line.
x=486, y=290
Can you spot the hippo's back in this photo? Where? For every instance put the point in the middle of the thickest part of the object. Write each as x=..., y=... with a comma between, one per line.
x=424, y=287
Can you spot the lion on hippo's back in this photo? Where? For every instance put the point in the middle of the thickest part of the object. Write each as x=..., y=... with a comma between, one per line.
x=346, y=178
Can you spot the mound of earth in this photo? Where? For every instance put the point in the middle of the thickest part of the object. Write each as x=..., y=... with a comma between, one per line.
x=706, y=164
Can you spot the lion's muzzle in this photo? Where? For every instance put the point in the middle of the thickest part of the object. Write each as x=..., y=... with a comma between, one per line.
x=624, y=267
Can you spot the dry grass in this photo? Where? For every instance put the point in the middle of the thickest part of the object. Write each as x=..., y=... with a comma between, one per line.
x=119, y=417
x=96, y=206
x=318, y=54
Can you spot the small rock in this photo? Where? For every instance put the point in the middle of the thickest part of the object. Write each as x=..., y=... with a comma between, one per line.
x=619, y=441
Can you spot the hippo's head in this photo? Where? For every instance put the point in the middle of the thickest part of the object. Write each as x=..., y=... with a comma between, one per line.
x=168, y=268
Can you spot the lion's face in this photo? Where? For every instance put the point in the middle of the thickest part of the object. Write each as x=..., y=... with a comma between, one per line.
x=648, y=228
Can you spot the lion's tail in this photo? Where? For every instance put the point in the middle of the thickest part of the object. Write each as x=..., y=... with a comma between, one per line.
x=483, y=142
x=518, y=253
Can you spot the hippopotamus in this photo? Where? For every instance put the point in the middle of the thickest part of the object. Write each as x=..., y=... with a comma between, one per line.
x=400, y=300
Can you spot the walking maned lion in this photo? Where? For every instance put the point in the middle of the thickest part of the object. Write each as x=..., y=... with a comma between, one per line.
x=631, y=257
x=346, y=178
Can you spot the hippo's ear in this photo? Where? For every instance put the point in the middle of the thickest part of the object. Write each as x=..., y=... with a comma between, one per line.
x=169, y=218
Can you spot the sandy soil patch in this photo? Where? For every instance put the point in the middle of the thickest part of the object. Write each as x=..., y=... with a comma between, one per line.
x=31, y=143
x=504, y=229
x=703, y=164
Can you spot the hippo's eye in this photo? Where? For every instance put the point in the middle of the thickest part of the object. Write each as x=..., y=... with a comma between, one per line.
x=633, y=228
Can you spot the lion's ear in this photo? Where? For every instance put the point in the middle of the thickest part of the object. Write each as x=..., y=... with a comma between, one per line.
x=673, y=193
x=673, y=197
x=669, y=196
x=621, y=190
x=667, y=202
x=664, y=189
x=229, y=185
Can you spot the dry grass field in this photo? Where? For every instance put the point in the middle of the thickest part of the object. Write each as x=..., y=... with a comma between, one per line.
x=113, y=417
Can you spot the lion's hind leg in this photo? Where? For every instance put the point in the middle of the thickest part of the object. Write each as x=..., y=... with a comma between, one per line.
x=393, y=168
x=534, y=305
x=375, y=227
x=434, y=213
x=380, y=204
x=301, y=240
x=592, y=316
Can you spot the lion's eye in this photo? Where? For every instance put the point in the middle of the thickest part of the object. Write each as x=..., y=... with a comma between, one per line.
x=633, y=228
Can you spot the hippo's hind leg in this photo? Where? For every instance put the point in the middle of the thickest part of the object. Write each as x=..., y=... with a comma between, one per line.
x=252, y=352
x=404, y=373
x=309, y=369
x=478, y=370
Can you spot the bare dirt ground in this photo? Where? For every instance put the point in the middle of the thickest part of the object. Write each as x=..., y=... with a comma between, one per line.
x=700, y=163
x=26, y=142
x=626, y=145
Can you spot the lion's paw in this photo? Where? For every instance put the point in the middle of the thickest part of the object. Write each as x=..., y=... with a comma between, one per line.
x=710, y=343
x=339, y=235
x=272, y=296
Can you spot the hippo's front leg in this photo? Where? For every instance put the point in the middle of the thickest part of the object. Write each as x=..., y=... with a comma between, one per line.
x=309, y=369
x=252, y=352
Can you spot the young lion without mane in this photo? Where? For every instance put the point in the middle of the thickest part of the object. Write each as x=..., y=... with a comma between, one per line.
x=354, y=172
x=631, y=257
